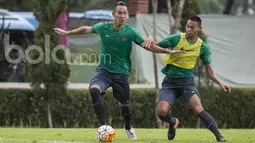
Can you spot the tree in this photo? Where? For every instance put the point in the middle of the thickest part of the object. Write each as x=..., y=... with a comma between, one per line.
x=49, y=77
x=178, y=17
x=169, y=7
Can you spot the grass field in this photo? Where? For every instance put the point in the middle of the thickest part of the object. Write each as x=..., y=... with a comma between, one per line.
x=18, y=135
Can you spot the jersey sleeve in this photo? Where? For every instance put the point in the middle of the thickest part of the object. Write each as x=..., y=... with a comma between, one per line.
x=97, y=28
x=136, y=37
x=170, y=41
x=205, y=54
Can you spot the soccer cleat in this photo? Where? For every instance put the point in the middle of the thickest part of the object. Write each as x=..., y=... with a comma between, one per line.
x=172, y=129
x=221, y=139
x=131, y=133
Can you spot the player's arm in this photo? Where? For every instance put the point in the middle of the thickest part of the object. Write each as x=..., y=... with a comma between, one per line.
x=138, y=39
x=168, y=43
x=214, y=79
x=157, y=49
x=77, y=31
x=149, y=44
x=205, y=57
x=81, y=30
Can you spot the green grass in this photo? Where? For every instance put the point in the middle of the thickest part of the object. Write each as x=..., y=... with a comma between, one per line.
x=31, y=135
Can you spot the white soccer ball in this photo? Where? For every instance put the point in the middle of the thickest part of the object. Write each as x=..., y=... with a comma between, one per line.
x=105, y=133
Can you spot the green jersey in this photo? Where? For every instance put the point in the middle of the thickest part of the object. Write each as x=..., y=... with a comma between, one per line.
x=174, y=71
x=116, y=46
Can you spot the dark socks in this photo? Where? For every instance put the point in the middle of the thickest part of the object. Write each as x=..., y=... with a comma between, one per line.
x=126, y=113
x=98, y=105
x=209, y=123
x=167, y=118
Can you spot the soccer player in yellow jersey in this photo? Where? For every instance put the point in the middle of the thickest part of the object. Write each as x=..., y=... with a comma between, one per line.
x=179, y=79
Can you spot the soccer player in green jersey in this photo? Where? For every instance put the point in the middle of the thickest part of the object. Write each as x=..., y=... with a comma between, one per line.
x=179, y=79
x=115, y=63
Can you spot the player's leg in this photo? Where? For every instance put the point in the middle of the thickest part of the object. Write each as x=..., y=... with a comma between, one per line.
x=98, y=84
x=165, y=103
x=192, y=96
x=121, y=92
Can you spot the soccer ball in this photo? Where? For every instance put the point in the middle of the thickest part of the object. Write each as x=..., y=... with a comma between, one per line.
x=105, y=133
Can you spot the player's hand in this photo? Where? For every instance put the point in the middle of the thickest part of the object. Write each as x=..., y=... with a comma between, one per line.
x=147, y=43
x=175, y=51
x=225, y=88
x=60, y=31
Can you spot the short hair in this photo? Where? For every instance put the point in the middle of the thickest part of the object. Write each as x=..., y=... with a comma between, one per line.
x=120, y=3
x=196, y=18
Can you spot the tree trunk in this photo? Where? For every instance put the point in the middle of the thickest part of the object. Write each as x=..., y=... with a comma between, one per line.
x=169, y=7
x=178, y=17
x=49, y=108
x=199, y=71
x=228, y=7
x=155, y=6
x=49, y=115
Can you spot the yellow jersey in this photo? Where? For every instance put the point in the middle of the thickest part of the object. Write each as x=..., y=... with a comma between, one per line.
x=182, y=65
x=185, y=60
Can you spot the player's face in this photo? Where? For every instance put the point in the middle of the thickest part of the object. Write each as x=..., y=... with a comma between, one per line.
x=120, y=14
x=192, y=28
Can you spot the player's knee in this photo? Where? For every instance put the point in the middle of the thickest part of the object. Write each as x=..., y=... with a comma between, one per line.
x=95, y=94
x=163, y=109
x=198, y=109
x=162, y=112
x=163, y=115
x=94, y=91
x=95, y=87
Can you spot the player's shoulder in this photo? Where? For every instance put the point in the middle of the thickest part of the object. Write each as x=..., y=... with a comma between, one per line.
x=204, y=45
x=129, y=27
x=204, y=48
x=103, y=24
x=129, y=30
x=108, y=23
x=176, y=35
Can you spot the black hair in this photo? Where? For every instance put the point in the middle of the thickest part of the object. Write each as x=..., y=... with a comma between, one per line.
x=196, y=18
x=120, y=3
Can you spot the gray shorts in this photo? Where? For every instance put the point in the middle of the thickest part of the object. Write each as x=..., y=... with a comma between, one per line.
x=174, y=87
x=118, y=82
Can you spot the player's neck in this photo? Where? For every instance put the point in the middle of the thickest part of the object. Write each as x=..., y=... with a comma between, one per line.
x=192, y=38
x=117, y=25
